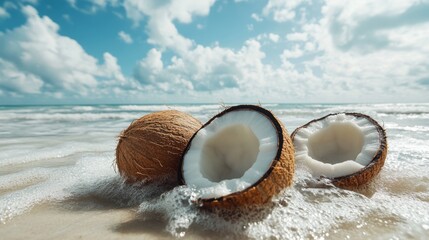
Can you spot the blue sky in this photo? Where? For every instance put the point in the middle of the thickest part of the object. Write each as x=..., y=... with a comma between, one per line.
x=174, y=51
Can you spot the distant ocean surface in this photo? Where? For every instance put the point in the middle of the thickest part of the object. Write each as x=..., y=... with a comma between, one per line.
x=57, y=163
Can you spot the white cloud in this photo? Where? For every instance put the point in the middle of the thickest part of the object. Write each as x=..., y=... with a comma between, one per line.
x=219, y=70
x=364, y=48
x=340, y=56
x=355, y=49
x=353, y=13
x=296, y=52
x=152, y=74
x=267, y=38
x=330, y=59
x=198, y=69
x=297, y=36
x=160, y=27
x=282, y=10
x=125, y=37
x=273, y=37
x=13, y=80
x=222, y=73
x=111, y=69
x=3, y=13
x=256, y=17
x=148, y=68
x=309, y=46
x=92, y=6
x=204, y=69
x=51, y=62
x=351, y=26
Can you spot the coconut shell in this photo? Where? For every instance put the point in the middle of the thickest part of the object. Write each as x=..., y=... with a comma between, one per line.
x=277, y=177
x=151, y=147
x=366, y=174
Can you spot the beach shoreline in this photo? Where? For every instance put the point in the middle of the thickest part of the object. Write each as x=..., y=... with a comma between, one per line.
x=58, y=180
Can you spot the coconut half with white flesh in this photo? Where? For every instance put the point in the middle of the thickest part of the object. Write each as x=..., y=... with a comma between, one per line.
x=241, y=156
x=349, y=148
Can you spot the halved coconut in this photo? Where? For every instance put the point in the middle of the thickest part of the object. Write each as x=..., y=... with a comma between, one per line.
x=152, y=146
x=243, y=155
x=349, y=148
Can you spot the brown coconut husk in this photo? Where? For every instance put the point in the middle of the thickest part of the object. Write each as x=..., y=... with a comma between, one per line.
x=152, y=146
x=366, y=174
x=278, y=176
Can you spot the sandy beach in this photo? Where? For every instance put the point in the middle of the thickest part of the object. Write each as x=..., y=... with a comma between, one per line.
x=58, y=180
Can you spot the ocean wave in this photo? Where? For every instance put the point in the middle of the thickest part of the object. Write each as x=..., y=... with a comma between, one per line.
x=389, y=109
x=67, y=116
x=292, y=109
x=52, y=153
x=56, y=186
x=394, y=126
x=83, y=108
x=185, y=108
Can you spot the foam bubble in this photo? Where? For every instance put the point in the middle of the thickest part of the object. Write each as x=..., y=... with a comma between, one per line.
x=309, y=209
x=56, y=187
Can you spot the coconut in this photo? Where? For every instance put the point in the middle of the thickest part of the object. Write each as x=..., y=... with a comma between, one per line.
x=348, y=148
x=242, y=156
x=152, y=146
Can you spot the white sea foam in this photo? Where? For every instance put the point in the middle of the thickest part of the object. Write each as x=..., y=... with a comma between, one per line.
x=57, y=186
x=395, y=126
x=306, y=210
x=83, y=108
x=57, y=151
x=186, y=108
x=67, y=116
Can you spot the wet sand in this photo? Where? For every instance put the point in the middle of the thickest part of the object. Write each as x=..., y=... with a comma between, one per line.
x=79, y=221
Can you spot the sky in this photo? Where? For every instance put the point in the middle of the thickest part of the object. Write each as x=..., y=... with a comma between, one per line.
x=213, y=51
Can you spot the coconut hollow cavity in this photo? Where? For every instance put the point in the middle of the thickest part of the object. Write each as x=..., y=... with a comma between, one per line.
x=243, y=155
x=349, y=148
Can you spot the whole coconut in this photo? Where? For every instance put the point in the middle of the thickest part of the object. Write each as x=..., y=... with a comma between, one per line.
x=151, y=147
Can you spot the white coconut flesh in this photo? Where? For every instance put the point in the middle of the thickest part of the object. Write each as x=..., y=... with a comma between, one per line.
x=230, y=154
x=336, y=146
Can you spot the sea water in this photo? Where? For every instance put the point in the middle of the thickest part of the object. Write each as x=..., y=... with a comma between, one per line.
x=53, y=155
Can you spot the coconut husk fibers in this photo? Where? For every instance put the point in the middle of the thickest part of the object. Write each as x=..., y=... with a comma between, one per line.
x=366, y=174
x=152, y=146
x=277, y=177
